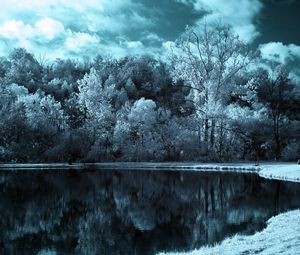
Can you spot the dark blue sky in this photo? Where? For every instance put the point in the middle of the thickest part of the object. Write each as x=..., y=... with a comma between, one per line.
x=279, y=21
x=76, y=28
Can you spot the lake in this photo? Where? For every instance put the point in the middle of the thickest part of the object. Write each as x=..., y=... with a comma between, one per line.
x=133, y=211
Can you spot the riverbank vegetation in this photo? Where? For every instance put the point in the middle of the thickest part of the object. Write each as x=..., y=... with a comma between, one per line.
x=209, y=98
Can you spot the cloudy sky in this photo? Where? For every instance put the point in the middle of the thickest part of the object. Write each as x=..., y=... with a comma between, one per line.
x=76, y=28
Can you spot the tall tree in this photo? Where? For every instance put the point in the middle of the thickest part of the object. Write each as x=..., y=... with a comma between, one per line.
x=208, y=60
x=95, y=100
x=275, y=91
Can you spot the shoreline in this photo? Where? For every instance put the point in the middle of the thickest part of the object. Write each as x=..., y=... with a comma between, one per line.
x=268, y=170
x=281, y=236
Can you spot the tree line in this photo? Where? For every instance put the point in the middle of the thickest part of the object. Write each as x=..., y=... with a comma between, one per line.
x=212, y=99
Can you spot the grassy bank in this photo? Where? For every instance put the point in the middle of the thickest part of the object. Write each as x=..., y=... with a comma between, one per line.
x=281, y=236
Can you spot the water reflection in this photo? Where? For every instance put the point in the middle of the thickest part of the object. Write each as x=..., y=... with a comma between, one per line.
x=132, y=212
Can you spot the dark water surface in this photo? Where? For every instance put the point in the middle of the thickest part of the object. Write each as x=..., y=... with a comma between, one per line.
x=132, y=211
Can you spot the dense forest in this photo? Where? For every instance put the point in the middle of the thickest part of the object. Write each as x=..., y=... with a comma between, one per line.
x=210, y=98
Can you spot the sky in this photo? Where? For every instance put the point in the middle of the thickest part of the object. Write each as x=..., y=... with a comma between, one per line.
x=75, y=28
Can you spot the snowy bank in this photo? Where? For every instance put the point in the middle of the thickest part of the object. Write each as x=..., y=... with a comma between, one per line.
x=281, y=236
x=287, y=172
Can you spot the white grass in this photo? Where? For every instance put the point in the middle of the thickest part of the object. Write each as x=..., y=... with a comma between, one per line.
x=288, y=172
x=281, y=236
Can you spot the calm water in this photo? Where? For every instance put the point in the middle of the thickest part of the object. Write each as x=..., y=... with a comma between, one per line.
x=132, y=212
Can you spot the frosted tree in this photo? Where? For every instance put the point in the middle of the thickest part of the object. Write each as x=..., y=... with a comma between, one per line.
x=136, y=128
x=24, y=69
x=208, y=60
x=142, y=118
x=36, y=123
x=95, y=100
x=43, y=112
x=12, y=124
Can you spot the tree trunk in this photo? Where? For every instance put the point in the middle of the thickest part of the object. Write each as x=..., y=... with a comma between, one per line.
x=199, y=136
x=276, y=137
x=221, y=140
x=206, y=136
x=212, y=134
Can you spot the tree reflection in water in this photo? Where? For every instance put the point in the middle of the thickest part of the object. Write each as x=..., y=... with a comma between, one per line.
x=132, y=212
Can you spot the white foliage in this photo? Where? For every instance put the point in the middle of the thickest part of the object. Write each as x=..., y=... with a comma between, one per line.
x=236, y=112
x=43, y=111
x=142, y=112
x=208, y=62
x=95, y=99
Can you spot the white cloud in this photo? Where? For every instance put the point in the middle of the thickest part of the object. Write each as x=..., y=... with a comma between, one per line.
x=278, y=52
x=49, y=28
x=15, y=33
x=288, y=55
x=134, y=44
x=239, y=14
x=115, y=23
x=80, y=40
x=70, y=26
x=124, y=48
x=15, y=29
x=45, y=6
x=152, y=37
x=95, y=15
